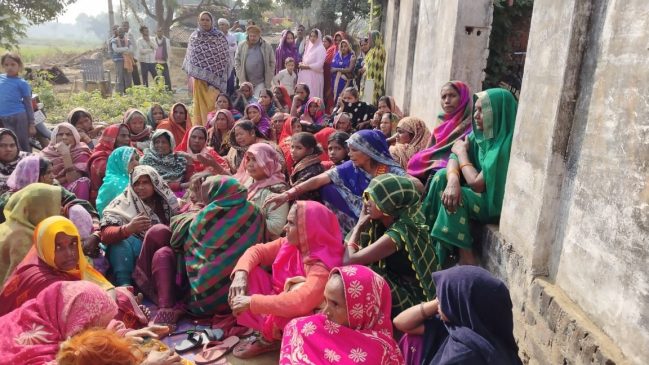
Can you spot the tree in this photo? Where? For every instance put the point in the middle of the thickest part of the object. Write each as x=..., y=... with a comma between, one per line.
x=254, y=9
x=164, y=11
x=97, y=24
x=14, y=13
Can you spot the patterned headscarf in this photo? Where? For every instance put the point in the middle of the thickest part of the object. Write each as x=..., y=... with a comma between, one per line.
x=116, y=179
x=142, y=135
x=269, y=160
x=79, y=152
x=420, y=136
x=263, y=125
x=373, y=144
x=171, y=166
x=27, y=172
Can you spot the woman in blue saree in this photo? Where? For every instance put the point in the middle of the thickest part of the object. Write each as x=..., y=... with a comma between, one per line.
x=342, y=68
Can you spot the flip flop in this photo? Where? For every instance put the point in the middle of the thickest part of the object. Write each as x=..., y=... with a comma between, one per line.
x=254, y=348
x=216, y=352
x=199, y=338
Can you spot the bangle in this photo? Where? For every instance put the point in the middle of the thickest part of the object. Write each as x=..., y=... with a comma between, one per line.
x=465, y=165
x=453, y=171
x=423, y=313
x=353, y=245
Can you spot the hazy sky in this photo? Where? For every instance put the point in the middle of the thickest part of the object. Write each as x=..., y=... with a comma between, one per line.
x=90, y=7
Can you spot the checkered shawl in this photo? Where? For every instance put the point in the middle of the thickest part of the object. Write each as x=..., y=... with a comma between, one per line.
x=208, y=58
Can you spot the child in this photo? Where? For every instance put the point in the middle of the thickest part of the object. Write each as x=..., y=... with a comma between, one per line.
x=337, y=150
x=16, y=112
x=287, y=77
x=305, y=153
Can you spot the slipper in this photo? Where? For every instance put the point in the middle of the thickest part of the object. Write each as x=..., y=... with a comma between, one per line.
x=254, y=348
x=199, y=338
x=216, y=352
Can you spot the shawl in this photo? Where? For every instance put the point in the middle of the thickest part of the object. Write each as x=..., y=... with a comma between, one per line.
x=7, y=168
x=27, y=172
x=489, y=148
x=285, y=50
x=116, y=179
x=24, y=211
x=217, y=139
x=450, y=127
x=375, y=65
x=170, y=124
x=420, y=136
x=79, y=152
x=360, y=111
x=318, y=117
x=263, y=125
x=128, y=204
x=398, y=197
x=149, y=116
x=171, y=167
x=367, y=340
x=286, y=98
x=322, y=136
x=213, y=239
x=297, y=176
x=394, y=107
x=373, y=144
x=284, y=143
x=105, y=145
x=145, y=134
x=208, y=57
x=314, y=53
x=269, y=160
x=480, y=322
x=197, y=165
x=33, y=333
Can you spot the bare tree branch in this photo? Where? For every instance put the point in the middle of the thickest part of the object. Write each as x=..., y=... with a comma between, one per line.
x=146, y=9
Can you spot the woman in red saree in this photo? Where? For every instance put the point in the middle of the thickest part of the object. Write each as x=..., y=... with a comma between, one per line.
x=116, y=135
x=194, y=143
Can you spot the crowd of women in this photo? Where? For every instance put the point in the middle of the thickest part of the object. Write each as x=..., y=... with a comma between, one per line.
x=320, y=224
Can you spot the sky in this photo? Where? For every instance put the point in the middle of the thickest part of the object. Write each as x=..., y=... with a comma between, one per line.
x=90, y=7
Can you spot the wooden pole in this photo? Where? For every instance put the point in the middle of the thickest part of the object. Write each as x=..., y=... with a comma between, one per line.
x=111, y=17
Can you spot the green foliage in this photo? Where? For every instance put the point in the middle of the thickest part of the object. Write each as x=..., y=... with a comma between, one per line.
x=254, y=9
x=12, y=13
x=337, y=14
x=296, y=4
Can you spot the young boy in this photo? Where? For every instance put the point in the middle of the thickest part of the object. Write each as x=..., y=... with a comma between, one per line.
x=287, y=77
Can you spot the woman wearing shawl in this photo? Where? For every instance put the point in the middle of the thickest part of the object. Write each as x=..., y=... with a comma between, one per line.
x=361, y=112
x=146, y=201
x=257, y=115
x=374, y=75
x=218, y=134
x=155, y=115
x=243, y=135
x=470, y=322
x=305, y=151
x=178, y=122
x=33, y=333
x=245, y=96
x=172, y=166
x=412, y=136
x=203, y=157
x=393, y=238
x=10, y=155
x=341, y=188
x=281, y=95
x=81, y=119
x=342, y=66
x=453, y=124
x=300, y=265
x=312, y=66
x=139, y=131
x=115, y=136
x=209, y=250
x=262, y=173
x=313, y=112
x=224, y=102
x=480, y=161
x=353, y=328
x=69, y=157
x=286, y=49
x=121, y=163
x=209, y=63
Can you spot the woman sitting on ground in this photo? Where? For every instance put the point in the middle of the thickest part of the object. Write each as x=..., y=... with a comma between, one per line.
x=268, y=102
x=139, y=131
x=412, y=137
x=305, y=152
x=343, y=123
x=277, y=126
x=244, y=134
x=470, y=322
x=387, y=126
x=292, y=125
x=337, y=149
x=223, y=102
x=256, y=114
x=147, y=201
x=301, y=96
x=313, y=112
x=245, y=97
x=115, y=136
x=300, y=265
x=10, y=156
x=209, y=250
x=218, y=132
x=69, y=157
x=172, y=166
x=480, y=163
x=121, y=163
x=283, y=98
x=352, y=328
x=391, y=236
x=361, y=112
x=204, y=158
x=178, y=122
x=155, y=115
x=82, y=121
x=261, y=172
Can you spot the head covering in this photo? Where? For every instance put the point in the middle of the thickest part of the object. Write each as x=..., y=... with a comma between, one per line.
x=177, y=128
x=254, y=29
x=214, y=248
x=394, y=107
x=81, y=219
x=24, y=211
x=27, y=171
x=79, y=152
x=285, y=50
x=116, y=178
x=218, y=139
x=145, y=134
x=314, y=53
x=450, y=127
x=128, y=204
x=74, y=111
x=33, y=333
x=269, y=160
x=373, y=144
x=479, y=312
x=420, y=136
x=285, y=95
x=318, y=117
x=151, y=122
x=106, y=143
x=208, y=56
x=171, y=166
x=197, y=165
x=7, y=168
x=367, y=340
x=263, y=125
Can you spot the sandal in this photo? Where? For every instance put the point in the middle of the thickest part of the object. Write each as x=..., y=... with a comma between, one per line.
x=167, y=316
x=196, y=339
x=254, y=347
x=217, y=351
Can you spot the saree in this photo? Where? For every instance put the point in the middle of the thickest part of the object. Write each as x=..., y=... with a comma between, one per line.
x=306, y=168
x=368, y=339
x=33, y=333
x=171, y=167
x=269, y=160
x=375, y=69
x=116, y=179
x=285, y=50
x=141, y=139
x=402, y=152
x=178, y=128
x=263, y=125
x=408, y=269
x=216, y=138
x=27, y=171
x=97, y=160
x=318, y=117
x=489, y=153
x=340, y=80
x=314, y=56
x=197, y=166
x=450, y=127
x=24, y=211
x=6, y=168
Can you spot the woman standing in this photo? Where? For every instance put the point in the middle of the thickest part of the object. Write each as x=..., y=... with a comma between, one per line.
x=341, y=68
x=286, y=49
x=312, y=65
x=374, y=69
x=209, y=63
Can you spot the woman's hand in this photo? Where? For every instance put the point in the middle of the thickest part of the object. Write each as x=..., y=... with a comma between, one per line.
x=62, y=148
x=239, y=285
x=461, y=146
x=167, y=357
x=141, y=223
x=452, y=195
x=153, y=331
x=274, y=201
x=83, y=137
x=240, y=304
x=188, y=158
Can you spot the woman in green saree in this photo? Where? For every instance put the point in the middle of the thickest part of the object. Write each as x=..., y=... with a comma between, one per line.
x=473, y=183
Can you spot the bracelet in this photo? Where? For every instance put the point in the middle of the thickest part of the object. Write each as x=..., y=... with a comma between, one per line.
x=353, y=245
x=465, y=165
x=423, y=313
x=453, y=171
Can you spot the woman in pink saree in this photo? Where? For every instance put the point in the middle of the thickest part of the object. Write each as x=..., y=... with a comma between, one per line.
x=355, y=326
x=311, y=69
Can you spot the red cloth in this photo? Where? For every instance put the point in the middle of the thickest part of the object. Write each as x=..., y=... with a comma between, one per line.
x=99, y=157
x=323, y=138
x=177, y=129
x=197, y=166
